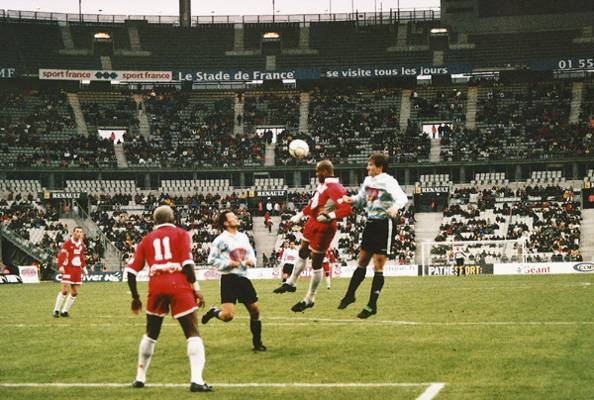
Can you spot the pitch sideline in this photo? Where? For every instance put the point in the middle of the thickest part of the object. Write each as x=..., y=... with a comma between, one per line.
x=430, y=392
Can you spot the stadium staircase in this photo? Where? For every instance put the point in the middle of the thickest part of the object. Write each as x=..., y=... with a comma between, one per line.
x=401, y=38
x=238, y=110
x=134, y=37
x=69, y=48
x=405, y=109
x=577, y=95
x=438, y=57
x=435, y=152
x=426, y=229
x=79, y=118
x=587, y=234
x=66, y=36
x=143, y=121
x=265, y=240
x=106, y=62
x=471, y=105
x=269, y=155
x=120, y=155
x=304, y=99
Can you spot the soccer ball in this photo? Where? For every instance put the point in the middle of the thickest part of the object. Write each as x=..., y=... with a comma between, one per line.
x=298, y=149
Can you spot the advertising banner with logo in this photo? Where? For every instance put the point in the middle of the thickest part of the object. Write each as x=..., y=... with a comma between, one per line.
x=467, y=269
x=105, y=75
x=394, y=71
x=97, y=277
x=8, y=279
x=29, y=274
x=235, y=75
x=271, y=193
x=544, y=268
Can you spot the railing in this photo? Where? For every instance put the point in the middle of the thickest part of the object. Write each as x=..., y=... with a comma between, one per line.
x=24, y=244
x=392, y=16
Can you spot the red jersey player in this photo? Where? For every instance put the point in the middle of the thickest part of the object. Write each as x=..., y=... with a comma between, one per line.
x=325, y=207
x=71, y=265
x=167, y=250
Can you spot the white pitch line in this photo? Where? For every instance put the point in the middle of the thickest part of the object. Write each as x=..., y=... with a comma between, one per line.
x=301, y=321
x=224, y=385
x=431, y=391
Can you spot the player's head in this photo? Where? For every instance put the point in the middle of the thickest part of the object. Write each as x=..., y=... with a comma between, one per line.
x=324, y=169
x=376, y=164
x=292, y=244
x=77, y=233
x=163, y=215
x=228, y=220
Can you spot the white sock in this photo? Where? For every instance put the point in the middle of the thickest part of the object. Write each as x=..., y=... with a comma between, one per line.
x=297, y=269
x=328, y=282
x=314, y=283
x=197, y=359
x=59, y=299
x=68, y=303
x=145, y=353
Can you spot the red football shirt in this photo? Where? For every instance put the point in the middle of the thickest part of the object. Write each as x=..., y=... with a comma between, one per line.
x=165, y=250
x=72, y=254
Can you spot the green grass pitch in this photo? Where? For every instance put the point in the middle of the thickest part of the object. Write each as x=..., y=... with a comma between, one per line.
x=485, y=337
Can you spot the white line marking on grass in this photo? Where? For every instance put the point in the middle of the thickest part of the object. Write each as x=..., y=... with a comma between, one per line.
x=229, y=385
x=431, y=391
x=302, y=321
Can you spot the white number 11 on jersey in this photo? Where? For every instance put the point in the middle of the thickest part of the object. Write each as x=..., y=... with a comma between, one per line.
x=167, y=249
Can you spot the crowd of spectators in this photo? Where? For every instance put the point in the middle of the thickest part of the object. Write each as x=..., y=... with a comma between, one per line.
x=545, y=218
x=120, y=114
x=521, y=122
x=126, y=219
x=344, y=123
x=271, y=109
x=186, y=132
x=40, y=227
x=37, y=129
x=440, y=104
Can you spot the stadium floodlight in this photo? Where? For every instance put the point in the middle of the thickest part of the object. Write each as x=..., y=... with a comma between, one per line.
x=439, y=31
x=102, y=36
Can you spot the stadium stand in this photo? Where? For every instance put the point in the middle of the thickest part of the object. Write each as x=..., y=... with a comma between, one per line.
x=193, y=129
x=37, y=128
x=547, y=218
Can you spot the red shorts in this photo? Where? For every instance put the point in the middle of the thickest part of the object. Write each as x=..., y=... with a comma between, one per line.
x=72, y=275
x=170, y=290
x=326, y=267
x=318, y=234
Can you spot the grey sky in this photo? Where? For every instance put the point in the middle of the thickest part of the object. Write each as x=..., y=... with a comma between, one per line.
x=229, y=7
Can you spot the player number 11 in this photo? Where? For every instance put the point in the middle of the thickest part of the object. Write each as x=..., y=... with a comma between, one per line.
x=167, y=249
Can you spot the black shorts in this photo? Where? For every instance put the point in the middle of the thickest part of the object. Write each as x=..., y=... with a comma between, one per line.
x=459, y=262
x=378, y=236
x=236, y=288
x=287, y=268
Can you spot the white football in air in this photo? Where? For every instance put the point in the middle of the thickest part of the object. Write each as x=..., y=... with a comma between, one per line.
x=298, y=149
